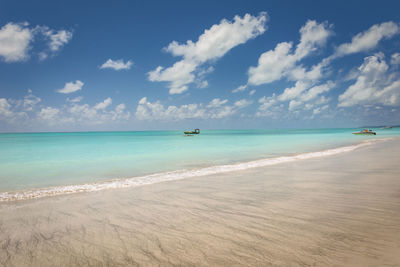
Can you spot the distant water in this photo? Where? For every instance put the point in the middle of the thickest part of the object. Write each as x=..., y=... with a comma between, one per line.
x=31, y=161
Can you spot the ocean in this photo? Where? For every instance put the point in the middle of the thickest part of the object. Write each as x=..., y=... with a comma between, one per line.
x=44, y=164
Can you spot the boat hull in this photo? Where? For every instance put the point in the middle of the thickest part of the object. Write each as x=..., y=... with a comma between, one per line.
x=364, y=133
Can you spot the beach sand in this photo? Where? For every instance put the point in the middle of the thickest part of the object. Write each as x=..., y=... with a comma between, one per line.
x=340, y=210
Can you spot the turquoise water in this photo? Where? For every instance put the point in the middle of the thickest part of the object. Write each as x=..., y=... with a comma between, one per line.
x=38, y=160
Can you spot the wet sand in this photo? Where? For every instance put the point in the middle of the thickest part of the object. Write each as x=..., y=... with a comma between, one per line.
x=340, y=210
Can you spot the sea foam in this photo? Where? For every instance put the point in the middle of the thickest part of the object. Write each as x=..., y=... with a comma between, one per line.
x=171, y=176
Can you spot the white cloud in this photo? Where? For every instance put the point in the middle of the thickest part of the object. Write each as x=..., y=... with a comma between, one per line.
x=318, y=110
x=179, y=75
x=216, y=102
x=269, y=107
x=302, y=92
x=272, y=65
x=75, y=100
x=374, y=85
x=315, y=91
x=267, y=102
x=308, y=106
x=293, y=92
x=220, y=38
x=294, y=104
x=202, y=84
x=215, y=109
x=302, y=95
x=82, y=112
x=5, y=108
x=252, y=92
x=368, y=39
x=119, y=113
x=243, y=103
x=59, y=39
x=282, y=62
x=116, y=64
x=8, y=112
x=48, y=113
x=98, y=114
x=71, y=87
x=27, y=111
x=240, y=88
x=156, y=111
x=15, y=111
x=313, y=35
x=211, y=45
x=307, y=93
x=395, y=60
x=104, y=104
x=15, y=39
x=55, y=39
x=30, y=101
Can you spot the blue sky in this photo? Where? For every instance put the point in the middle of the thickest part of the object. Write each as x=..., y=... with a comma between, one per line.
x=138, y=65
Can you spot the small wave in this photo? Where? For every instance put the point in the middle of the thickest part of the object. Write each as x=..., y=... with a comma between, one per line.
x=170, y=176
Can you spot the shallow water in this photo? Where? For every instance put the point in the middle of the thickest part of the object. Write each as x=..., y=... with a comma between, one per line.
x=39, y=160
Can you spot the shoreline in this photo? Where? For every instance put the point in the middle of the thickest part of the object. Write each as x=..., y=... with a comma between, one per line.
x=328, y=211
x=150, y=179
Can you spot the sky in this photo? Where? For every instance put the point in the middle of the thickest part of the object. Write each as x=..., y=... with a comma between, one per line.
x=173, y=65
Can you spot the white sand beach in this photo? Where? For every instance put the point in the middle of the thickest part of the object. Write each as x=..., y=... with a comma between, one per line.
x=339, y=210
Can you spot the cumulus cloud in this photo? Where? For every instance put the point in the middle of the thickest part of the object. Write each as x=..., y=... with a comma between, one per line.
x=294, y=104
x=318, y=110
x=243, y=103
x=14, y=111
x=293, y=92
x=240, y=89
x=5, y=108
x=120, y=113
x=116, y=64
x=29, y=111
x=375, y=84
x=211, y=45
x=48, y=114
x=75, y=99
x=215, y=109
x=104, y=104
x=71, y=87
x=315, y=91
x=30, y=101
x=269, y=107
x=216, y=102
x=312, y=36
x=308, y=94
x=302, y=95
x=58, y=39
x=179, y=75
x=282, y=61
x=395, y=60
x=9, y=112
x=98, y=114
x=15, y=39
x=368, y=39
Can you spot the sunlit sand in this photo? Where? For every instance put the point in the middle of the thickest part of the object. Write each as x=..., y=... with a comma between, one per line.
x=342, y=209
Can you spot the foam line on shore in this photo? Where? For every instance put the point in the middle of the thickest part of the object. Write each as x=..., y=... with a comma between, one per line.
x=173, y=175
